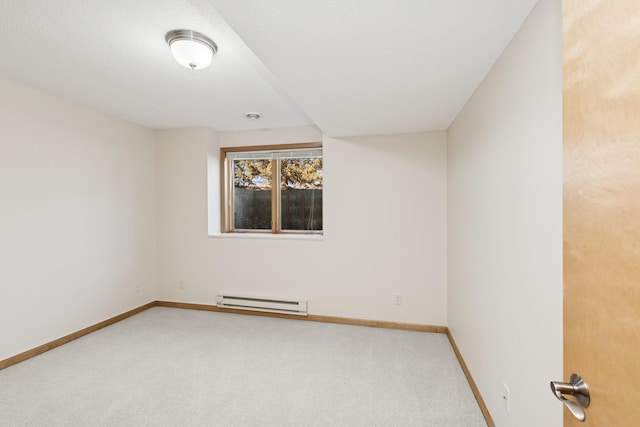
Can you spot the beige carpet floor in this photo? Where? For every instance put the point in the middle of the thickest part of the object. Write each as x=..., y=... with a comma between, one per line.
x=173, y=367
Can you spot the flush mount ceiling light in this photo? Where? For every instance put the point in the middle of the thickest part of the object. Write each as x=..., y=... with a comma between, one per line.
x=190, y=48
x=253, y=116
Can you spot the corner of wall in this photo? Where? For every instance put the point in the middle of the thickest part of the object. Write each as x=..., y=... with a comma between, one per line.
x=505, y=225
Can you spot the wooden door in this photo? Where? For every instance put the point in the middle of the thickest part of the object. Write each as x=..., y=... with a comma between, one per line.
x=601, y=90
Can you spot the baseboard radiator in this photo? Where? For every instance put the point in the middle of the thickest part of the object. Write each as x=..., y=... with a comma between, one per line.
x=266, y=304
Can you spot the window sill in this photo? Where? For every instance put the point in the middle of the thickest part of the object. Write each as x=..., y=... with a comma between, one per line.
x=267, y=236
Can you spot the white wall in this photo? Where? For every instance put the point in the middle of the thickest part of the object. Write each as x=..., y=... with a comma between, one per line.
x=80, y=215
x=505, y=226
x=384, y=219
x=77, y=217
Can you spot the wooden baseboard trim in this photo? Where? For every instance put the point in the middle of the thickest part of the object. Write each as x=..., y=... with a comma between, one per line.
x=416, y=327
x=312, y=317
x=472, y=384
x=67, y=338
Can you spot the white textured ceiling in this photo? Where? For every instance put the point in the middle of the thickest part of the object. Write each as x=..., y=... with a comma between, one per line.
x=111, y=54
x=353, y=67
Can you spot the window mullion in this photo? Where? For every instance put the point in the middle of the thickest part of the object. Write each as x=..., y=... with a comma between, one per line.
x=275, y=196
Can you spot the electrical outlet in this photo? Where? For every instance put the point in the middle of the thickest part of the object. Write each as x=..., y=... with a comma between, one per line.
x=397, y=299
x=138, y=287
x=181, y=284
x=505, y=397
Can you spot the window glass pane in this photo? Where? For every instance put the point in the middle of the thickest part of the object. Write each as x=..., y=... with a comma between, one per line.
x=252, y=194
x=301, y=194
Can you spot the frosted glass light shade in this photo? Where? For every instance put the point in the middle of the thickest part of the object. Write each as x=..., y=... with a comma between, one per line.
x=191, y=49
x=191, y=54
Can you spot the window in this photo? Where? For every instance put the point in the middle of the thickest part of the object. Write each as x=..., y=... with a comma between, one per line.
x=272, y=189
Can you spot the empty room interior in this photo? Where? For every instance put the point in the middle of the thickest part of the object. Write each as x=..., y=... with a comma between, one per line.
x=435, y=216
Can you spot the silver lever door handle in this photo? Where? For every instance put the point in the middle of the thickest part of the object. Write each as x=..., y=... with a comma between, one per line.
x=576, y=388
